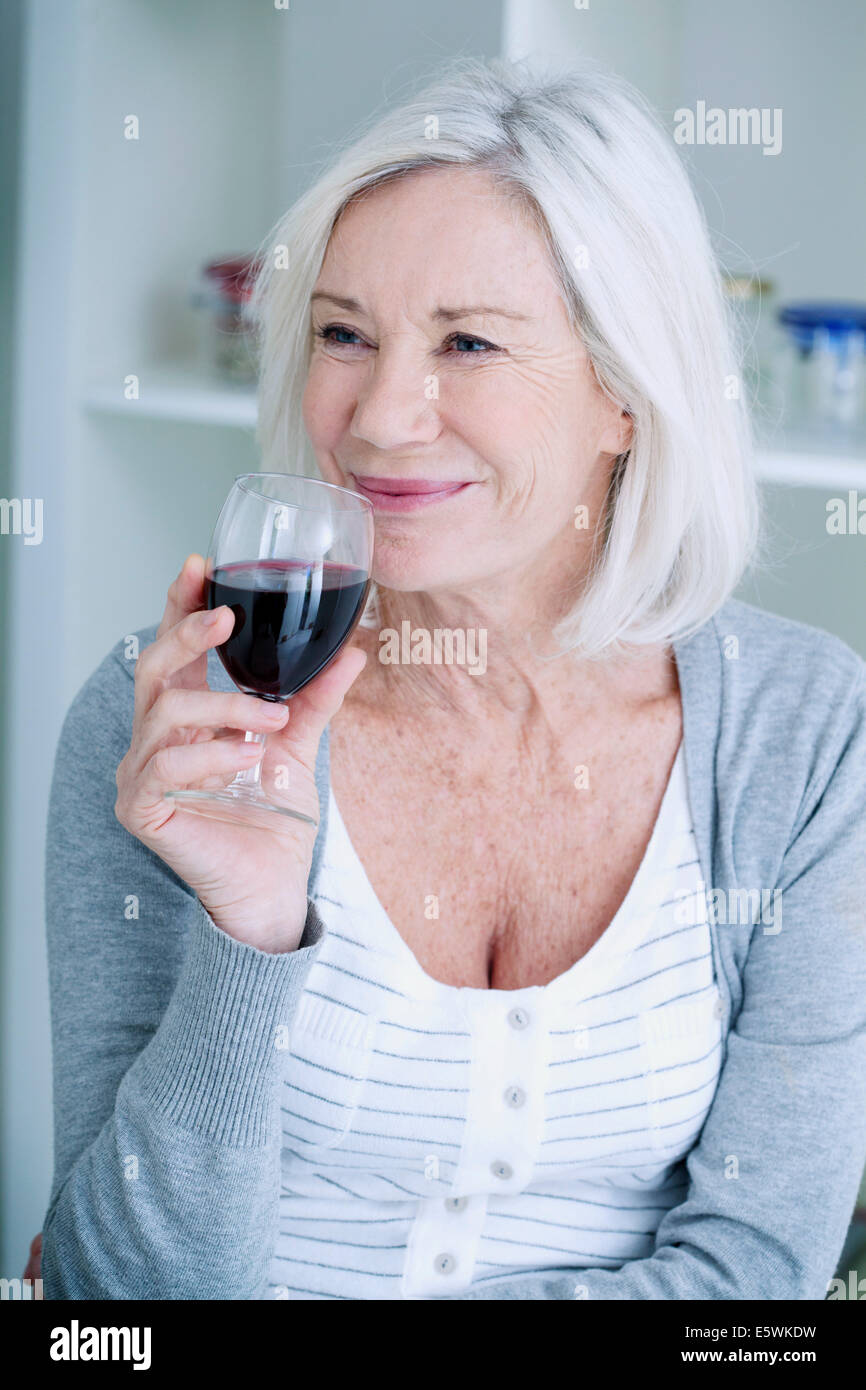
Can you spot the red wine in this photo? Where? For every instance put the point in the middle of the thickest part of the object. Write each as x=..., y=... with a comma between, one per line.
x=291, y=617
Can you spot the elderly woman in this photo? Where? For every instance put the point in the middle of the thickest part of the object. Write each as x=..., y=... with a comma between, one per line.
x=565, y=993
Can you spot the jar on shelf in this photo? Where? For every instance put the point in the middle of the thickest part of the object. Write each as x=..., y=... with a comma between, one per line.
x=752, y=304
x=228, y=331
x=821, y=368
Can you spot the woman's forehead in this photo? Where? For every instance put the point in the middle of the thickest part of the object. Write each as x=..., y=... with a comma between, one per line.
x=449, y=240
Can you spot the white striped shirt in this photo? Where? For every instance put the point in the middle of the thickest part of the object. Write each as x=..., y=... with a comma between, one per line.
x=436, y=1136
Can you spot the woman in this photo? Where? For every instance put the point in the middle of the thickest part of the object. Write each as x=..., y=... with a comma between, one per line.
x=566, y=996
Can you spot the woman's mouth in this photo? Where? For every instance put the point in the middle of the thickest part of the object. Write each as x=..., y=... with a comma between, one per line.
x=405, y=494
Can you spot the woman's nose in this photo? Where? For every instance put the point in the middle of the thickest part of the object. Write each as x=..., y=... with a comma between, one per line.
x=397, y=405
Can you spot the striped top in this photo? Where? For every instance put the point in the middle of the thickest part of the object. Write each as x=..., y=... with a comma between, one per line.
x=436, y=1136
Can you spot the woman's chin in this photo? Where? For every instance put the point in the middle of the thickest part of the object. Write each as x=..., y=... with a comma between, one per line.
x=411, y=572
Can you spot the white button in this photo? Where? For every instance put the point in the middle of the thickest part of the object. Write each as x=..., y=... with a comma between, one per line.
x=515, y=1097
x=444, y=1264
x=456, y=1203
x=500, y=1169
x=518, y=1018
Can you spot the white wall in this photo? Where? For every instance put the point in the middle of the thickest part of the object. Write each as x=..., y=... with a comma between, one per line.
x=11, y=44
x=34, y=672
x=799, y=215
x=639, y=39
x=345, y=60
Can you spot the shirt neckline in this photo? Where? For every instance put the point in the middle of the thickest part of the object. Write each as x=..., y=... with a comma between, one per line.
x=617, y=940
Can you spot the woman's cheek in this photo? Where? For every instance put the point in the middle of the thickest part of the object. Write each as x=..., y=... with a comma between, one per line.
x=506, y=402
x=325, y=409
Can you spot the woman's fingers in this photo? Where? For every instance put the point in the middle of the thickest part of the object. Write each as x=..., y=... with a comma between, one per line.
x=189, y=640
x=187, y=765
x=177, y=708
x=186, y=594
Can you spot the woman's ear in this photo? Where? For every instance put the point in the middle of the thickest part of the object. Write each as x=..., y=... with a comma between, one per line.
x=619, y=435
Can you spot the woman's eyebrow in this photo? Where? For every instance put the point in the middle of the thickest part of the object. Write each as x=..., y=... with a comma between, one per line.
x=351, y=304
x=473, y=310
x=464, y=312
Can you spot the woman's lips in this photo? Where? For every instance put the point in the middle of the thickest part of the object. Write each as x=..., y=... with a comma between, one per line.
x=405, y=494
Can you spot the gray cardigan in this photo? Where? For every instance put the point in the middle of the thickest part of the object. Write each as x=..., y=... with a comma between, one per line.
x=167, y=1143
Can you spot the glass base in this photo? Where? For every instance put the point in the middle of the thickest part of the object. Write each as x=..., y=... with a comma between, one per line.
x=234, y=805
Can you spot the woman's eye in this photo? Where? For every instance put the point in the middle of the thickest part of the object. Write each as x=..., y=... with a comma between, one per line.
x=326, y=334
x=476, y=347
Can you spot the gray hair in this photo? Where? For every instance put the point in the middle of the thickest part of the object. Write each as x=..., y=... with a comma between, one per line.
x=585, y=153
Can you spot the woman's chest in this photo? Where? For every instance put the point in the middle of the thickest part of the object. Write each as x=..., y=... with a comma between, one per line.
x=502, y=875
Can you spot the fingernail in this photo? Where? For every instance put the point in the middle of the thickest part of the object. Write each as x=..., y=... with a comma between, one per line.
x=211, y=616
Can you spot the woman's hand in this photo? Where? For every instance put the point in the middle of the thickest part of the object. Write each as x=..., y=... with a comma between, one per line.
x=252, y=881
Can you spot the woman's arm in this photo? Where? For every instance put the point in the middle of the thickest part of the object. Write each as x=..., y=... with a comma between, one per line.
x=166, y=1050
x=775, y=1174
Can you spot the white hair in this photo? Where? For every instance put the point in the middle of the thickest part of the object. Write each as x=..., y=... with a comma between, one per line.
x=586, y=155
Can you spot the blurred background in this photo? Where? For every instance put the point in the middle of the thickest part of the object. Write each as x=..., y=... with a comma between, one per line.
x=146, y=147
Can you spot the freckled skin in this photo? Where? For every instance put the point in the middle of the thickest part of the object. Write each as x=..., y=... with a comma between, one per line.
x=449, y=784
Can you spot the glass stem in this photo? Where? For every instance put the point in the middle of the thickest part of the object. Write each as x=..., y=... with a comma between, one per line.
x=250, y=778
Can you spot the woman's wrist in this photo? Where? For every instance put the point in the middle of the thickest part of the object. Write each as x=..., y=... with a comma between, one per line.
x=277, y=937
x=273, y=930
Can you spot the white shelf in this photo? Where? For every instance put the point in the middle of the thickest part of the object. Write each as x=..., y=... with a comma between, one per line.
x=178, y=392
x=792, y=467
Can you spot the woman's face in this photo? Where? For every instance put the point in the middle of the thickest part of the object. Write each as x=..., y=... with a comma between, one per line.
x=451, y=390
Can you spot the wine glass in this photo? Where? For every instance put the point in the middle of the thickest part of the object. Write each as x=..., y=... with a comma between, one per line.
x=291, y=556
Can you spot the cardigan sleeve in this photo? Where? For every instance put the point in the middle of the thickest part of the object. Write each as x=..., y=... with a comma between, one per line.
x=773, y=1178
x=166, y=1037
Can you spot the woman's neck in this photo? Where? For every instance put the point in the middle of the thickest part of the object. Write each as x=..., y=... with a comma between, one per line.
x=492, y=655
